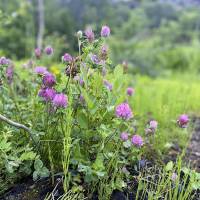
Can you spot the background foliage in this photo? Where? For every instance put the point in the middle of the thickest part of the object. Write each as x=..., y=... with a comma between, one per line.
x=147, y=34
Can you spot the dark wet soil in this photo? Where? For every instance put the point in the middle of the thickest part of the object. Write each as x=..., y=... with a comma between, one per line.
x=30, y=190
x=193, y=150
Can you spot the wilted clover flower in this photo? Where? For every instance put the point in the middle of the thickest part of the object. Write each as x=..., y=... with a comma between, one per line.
x=124, y=136
x=48, y=80
x=4, y=61
x=89, y=34
x=40, y=70
x=130, y=91
x=49, y=50
x=9, y=74
x=137, y=140
x=105, y=31
x=183, y=120
x=38, y=53
x=108, y=85
x=60, y=101
x=67, y=57
x=124, y=111
x=125, y=66
x=79, y=34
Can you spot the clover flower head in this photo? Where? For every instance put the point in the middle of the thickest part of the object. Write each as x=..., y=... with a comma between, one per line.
x=4, y=61
x=9, y=74
x=40, y=70
x=81, y=82
x=153, y=124
x=124, y=111
x=67, y=57
x=79, y=34
x=124, y=136
x=41, y=93
x=38, y=53
x=49, y=50
x=76, y=78
x=48, y=80
x=108, y=85
x=49, y=94
x=89, y=34
x=95, y=59
x=60, y=100
x=81, y=98
x=183, y=120
x=137, y=140
x=105, y=31
x=130, y=91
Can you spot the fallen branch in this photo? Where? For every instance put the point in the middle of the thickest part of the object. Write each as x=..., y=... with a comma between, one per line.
x=15, y=124
x=19, y=126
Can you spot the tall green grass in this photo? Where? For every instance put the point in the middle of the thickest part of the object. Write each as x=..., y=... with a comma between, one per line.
x=164, y=100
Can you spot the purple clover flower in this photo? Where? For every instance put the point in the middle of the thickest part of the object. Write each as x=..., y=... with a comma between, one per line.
x=38, y=53
x=47, y=94
x=48, y=80
x=4, y=61
x=151, y=127
x=153, y=124
x=183, y=120
x=67, y=57
x=81, y=98
x=49, y=50
x=81, y=82
x=108, y=85
x=60, y=100
x=41, y=92
x=89, y=34
x=105, y=31
x=104, y=52
x=104, y=49
x=40, y=70
x=137, y=140
x=124, y=136
x=76, y=78
x=123, y=111
x=95, y=59
x=130, y=91
x=9, y=74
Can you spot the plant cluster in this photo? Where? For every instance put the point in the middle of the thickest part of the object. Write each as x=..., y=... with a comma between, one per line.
x=78, y=123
